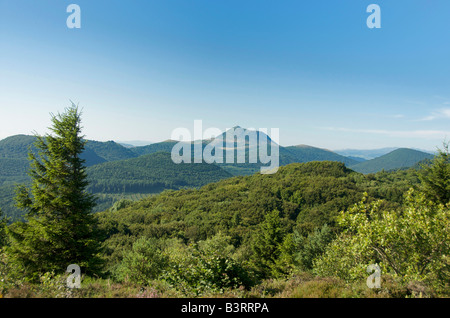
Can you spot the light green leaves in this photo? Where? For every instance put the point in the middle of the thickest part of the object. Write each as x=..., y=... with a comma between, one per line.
x=411, y=243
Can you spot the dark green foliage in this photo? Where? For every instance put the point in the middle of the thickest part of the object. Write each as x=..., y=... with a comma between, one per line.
x=397, y=159
x=304, y=153
x=3, y=235
x=165, y=146
x=435, y=177
x=108, y=151
x=205, y=266
x=13, y=170
x=14, y=165
x=144, y=262
x=151, y=174
x=390, y=186
x=267, y=242
x=16, y=147
x=60, y=229
x=7, y=194
x=310, y=247
x=147, y=174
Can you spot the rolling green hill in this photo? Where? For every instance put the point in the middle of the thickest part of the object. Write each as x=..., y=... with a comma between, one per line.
x=145, y=175
x=307, y=195
x=109, y=150
x=304, y=153
x=397, y=159
x=18, y=146
x=149, y=174
x=159, y=146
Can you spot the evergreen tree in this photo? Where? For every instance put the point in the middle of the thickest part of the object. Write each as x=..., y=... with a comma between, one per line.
x=60, y=229
x=3, y=221
x=436, y=177
x=266, y=246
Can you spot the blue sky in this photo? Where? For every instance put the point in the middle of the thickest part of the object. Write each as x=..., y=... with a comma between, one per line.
x=313, y=69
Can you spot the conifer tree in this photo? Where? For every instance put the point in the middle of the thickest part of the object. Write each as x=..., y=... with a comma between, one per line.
x=3, y=221
x=60, y=229
x=435, y=177
x=266, y=246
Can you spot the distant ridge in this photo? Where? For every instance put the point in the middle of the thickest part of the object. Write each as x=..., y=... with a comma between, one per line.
x=116, y=170
x=306, y=153
x=397, y=159
x=96, y=152
x=366, y=154
x=134, y=143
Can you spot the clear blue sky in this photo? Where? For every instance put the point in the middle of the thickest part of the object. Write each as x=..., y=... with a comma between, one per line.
x=313, y=69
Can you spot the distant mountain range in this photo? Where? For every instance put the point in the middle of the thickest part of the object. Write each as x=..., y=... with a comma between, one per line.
x=368, y=154
x=117, y=171
x=134, y=143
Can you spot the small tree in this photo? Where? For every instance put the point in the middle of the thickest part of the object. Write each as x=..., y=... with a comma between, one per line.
x=144, y=262
x=60, y=228
x=268, y=240
x=205, y=266
x=312, y=246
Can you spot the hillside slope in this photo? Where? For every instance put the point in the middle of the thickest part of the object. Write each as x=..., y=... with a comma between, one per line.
x=147, y=174
x=307, y=195
x=18, y=146
x=151, y=173
x=397, y=159
x=305, y=153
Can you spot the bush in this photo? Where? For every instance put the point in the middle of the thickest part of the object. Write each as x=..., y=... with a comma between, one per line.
x=312, y=246
x=205, y=267
x=410, y=244
x=143, y=263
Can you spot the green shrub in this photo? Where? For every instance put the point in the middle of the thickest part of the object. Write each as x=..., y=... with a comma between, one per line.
x=205, y=267
x=144, y=262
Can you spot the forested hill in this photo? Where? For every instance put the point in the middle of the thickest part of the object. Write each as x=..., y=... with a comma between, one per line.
x=150, y=174
x=305, y=153
x=18, y=146
x=307, y=195
x=155, y=147
x=397, y=159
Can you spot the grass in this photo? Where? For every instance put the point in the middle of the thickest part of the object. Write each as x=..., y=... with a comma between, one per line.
x=302, y=285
